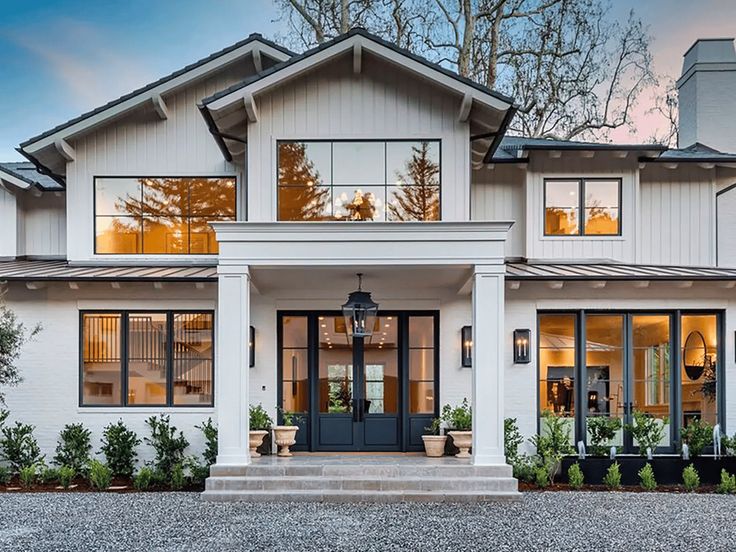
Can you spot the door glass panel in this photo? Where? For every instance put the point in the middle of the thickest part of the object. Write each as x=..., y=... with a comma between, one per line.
x=147, y=353
x=698, y=372
x=651, y=370
x=604, y=371
x=381, y=361
x=335, y=366
x=294, y=356
x=421, y=365
x=557, y=367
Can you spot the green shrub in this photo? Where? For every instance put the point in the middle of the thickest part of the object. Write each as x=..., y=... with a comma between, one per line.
x=48, y=475
x=575, y=476
x=142, y=480
x=612, y=479
x=73, y=447
x=553, y=443
x=259, y=418
x=19, y=446
x=5, y=475
x=541, y=476
x=459, y=418
x=696, y=435
x=119, y=448
x=168, y=446
x=176, y=479
x=28, y=475
x=729, y=445
x=690, y=478
x=197, y=472
x=210, y=438
x=647, y=431
x=100, y=476
x=66, y=476
x=602, y=431
x=727, y=484
x=512, y=440
x=524, y=468
x=646, y=478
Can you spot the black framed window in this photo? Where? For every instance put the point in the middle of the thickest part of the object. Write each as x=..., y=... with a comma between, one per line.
x=582, y=207
x=160, y=215
x=368, y=180
x=147, y=358
x=666, y=364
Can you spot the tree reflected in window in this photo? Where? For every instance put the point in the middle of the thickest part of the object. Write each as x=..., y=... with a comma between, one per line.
x=417, y=195
x=302, y=194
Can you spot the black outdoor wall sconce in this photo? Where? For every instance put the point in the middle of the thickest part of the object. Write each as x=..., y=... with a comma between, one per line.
x=252, y=347
x=522, y=339
x=466, y=345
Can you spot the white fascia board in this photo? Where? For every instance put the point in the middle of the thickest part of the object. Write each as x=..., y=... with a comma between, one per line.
x=366, y=45
x=147, y=96
x=13, y=180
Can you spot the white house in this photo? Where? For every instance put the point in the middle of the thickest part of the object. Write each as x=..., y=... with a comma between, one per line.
x=158, y=235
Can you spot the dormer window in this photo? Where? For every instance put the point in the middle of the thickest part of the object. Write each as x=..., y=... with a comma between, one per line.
x=582, y=207
x=359, y=180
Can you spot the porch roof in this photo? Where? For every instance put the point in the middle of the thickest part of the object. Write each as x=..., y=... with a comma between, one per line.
x=613, y=271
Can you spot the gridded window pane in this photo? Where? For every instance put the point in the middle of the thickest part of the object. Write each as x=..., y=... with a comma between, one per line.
x=362, y=203
x=165, y=235
x=117, y=196
x=121, y=235
x=335, y=366
x=202, y=238
x=305, y=163
x=561, y=206
x=101, y=359
x=165, y=196
x=358, y=163
x=147, y=358
x=699, y=369
x=295, y=380
x=305, y=203
x=407, y=203
x=557, y=367
x=213, y=197
x=193, y=358
x=413, y=163
x=381, y=359
x=602, y=207
x=421, y=365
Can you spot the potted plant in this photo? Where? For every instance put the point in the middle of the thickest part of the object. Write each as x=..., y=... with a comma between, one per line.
x=434, y=443
x=460, y=422
x=285, y=434
x=260, y=425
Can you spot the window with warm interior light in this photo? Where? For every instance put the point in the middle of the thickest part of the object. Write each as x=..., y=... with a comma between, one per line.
x=582, y=207
x=160, y=216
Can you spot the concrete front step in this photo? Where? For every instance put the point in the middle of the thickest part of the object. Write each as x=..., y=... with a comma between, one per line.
x=359, y=496
x=360, y=470
x=415, y=483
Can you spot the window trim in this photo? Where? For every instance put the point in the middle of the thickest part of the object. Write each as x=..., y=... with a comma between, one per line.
x=675, y=406
x=581, y=206
x=124, y=324
x=386, y=185
x=187, y=255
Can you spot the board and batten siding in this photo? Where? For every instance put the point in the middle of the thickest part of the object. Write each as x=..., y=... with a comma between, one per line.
x=677, y=216
x=572, y=248
x=139, y=145
x=499, y=194
x=726, y=217
x=44, y=225
x=379, y=103
x=8, y=224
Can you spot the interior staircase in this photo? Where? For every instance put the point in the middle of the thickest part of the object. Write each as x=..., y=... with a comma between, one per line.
x=346, y=478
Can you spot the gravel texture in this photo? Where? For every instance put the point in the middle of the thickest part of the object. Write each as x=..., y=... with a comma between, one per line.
x=542, y=521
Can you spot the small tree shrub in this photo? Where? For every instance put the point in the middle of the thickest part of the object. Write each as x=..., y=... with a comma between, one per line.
x=259, y=418
x=119, y=448
x=168, y=443
x=690, y=478
x=602, y=431
x=696, y=435
x=48, y=475
x=100, y=476
x=142, y=480
x=647, y=430
x=512, y=440
x=646, y=478
x=28, y=475
x=575, y=476
x=176, y=480
x=19, y=446
x=541, y=476
x=524, y=469
x=73, y=447
x=612, y=479
x=13, y=335
x=459, y=418
x=727, y=484
x=210, y=438
x=66, y=476
x=197, y=472
x=553, y=443
x=5, y=475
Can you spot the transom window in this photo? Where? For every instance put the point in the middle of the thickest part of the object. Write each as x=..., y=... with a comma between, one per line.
x=147, y=358
x=582, y=207
x=359, y=181
x=160, y=216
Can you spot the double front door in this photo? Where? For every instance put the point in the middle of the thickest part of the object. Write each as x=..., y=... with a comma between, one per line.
x=359, y=394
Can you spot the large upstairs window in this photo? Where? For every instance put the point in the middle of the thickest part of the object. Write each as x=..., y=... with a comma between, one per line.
x=160, y=216
x=359, y=181
x=582, y=207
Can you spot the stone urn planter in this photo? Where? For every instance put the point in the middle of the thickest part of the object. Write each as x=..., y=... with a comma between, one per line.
x=285, y=437
x=463, y=440
x=255, y=439
x=434, y=445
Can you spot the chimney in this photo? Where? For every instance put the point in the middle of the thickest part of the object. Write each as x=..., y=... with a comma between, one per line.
x=707, y=95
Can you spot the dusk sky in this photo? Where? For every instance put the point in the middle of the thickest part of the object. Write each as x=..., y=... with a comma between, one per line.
x=59, y=58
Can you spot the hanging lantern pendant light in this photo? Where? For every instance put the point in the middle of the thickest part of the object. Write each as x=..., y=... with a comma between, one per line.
x=360, y=311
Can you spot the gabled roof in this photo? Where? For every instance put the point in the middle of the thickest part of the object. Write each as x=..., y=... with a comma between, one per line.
x=699, y=153
x=24, y=175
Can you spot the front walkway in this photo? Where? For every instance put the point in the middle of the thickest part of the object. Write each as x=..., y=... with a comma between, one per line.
x=541, y=521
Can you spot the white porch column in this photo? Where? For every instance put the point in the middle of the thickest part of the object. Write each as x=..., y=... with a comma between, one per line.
x=488, y=355
x=231, y=383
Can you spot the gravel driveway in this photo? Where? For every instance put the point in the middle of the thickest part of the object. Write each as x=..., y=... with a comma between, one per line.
x=542, y=521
